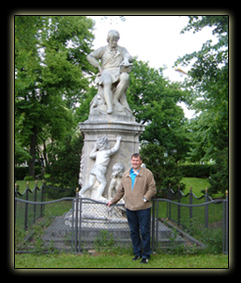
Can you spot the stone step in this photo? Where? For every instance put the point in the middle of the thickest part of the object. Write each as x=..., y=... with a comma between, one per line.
x=59, y=232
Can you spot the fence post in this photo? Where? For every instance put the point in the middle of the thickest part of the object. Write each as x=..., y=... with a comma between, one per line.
x=76, y=218
x=26, y=209
x=190, y=202
x=178, y=207
x=15, y=202
x=153, y=224
x=35, y=199
x=225, y=225
x=206, y=208
x=157, y=214
x=169, y=204
x=80, y=210
x=42, y=199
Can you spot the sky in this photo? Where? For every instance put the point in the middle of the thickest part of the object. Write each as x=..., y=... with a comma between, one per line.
x=155, y=39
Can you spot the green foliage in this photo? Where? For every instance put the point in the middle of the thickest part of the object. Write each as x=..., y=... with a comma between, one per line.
x=195, y=170
x=20, y=172
x=64, y=163
x=208, y=82
x=153, y=100
x=219, y=174
x=104, y=241
x=50, y=77
x=29, y=178
x=164, y=169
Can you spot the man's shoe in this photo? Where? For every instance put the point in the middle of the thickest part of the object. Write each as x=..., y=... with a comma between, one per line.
x=136, y=257
x=144, y=260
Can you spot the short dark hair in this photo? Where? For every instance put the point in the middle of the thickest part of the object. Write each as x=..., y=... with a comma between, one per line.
x=136, y=155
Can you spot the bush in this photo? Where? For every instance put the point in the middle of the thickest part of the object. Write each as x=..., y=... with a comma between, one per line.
x=195, y=170
x=219, y=174
x=29, y=178
x=64, y=171
x=21, y=172
x=57, y=193
x=164, y=169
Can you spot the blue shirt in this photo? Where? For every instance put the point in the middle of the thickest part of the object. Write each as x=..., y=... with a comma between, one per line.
x=133, y=177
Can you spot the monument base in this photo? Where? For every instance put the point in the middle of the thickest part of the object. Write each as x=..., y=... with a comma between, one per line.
x=110, y=126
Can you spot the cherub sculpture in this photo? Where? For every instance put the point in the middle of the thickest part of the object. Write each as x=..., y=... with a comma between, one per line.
x=101, y=153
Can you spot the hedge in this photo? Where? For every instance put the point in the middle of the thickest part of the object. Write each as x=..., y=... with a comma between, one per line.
x=21, y=172
x=195, y=170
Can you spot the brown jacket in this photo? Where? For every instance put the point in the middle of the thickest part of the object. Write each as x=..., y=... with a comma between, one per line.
x=144, y=186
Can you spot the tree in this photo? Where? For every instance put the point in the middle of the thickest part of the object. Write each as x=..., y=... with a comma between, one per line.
x=208, y=80
x=64, y=162
x=51, y=75
x=153, y=100
x=163, y=167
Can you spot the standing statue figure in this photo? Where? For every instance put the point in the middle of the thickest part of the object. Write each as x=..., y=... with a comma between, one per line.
x=113, y=77
x=101, y=153
x=117, y=172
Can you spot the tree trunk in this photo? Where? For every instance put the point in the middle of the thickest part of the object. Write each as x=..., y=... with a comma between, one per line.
x=33, y=152
x=44, y=152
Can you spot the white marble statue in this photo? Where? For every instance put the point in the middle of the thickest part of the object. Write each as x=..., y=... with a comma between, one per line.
x=116, y=176
x=113, y=77
x=101, y=153
x=117, y=172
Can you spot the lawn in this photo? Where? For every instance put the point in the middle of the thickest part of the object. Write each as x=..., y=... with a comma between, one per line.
x=23, y=185
x=197, y=185
x=111, y=260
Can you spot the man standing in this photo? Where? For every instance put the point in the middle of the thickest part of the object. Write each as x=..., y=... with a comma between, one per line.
x=137, y=188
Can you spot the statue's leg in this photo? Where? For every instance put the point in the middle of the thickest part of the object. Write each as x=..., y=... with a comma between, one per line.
x=107, y=82
x=101, y=179
x=122, y=85
x=89, y=185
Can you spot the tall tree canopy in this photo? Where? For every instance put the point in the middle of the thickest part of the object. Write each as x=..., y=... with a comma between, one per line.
x=51, y=75
x=153, y=100
x=208, y=80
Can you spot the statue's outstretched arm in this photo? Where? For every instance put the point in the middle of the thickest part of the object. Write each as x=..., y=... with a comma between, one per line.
x=116, y=146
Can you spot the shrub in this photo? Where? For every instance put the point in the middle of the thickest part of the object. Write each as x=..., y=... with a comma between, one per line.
x=195, y=170
x=29, y=178
x=64, y=171
x=164, y=169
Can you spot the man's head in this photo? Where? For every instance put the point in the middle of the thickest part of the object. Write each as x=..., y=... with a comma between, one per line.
x=112, y=38
x=136, y=161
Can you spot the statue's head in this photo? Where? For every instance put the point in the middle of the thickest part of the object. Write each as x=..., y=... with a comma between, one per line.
x=103, y=143
x=113, y=36
x=117, y=170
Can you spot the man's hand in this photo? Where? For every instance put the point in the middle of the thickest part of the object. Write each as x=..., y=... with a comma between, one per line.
x=118, y=138
x=109, y=203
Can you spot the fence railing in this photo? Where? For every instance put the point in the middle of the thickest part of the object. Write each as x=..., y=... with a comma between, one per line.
x=35, y=213
x=190, y=198
x=193, y=227
x=76, y=224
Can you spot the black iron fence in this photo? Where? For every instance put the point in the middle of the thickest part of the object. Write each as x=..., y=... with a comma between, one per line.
x=29, y=215
x=180, y=224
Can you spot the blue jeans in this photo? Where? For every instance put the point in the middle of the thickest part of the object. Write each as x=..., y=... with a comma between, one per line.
x=139, y=221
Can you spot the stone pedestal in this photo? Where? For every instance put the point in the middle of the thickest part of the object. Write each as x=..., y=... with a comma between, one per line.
x=110, y=126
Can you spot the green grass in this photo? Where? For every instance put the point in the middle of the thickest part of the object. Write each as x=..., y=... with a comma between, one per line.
x=197, y=185
x=23, y=185
x=104, y=260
